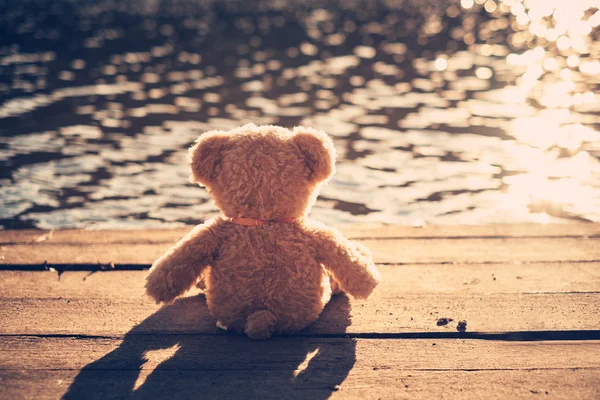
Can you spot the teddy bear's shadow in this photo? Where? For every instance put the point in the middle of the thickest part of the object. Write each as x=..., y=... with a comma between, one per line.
x=219, y=366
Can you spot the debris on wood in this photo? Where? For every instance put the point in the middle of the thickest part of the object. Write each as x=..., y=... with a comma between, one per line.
x=106, y=267
x=443, y=321
x=101, y=267
x=47, y=267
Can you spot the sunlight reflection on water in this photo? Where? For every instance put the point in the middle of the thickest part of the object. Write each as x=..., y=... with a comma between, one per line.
x=457, y=112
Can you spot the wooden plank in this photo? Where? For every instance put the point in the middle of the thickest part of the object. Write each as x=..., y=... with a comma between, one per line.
x=233, y=352
x=385, y=313
x=409, y=299
x=78, y=236
x=483, y=250
x=161, y=356
x=374, y=231
x=359, y=384
x=184, y=366
x=384, y=251
x=356, y=231
x=405, y=279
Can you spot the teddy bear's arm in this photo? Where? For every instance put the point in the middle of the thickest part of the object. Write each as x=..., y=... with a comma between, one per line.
x=176, y=271
x=350, y=263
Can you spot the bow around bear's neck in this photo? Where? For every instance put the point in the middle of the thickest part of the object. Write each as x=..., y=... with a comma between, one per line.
x=261, y=222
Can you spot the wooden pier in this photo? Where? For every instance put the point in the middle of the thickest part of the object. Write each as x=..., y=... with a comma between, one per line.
x=75, y=322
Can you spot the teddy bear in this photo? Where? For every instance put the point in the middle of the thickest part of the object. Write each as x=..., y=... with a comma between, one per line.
x=265, y=267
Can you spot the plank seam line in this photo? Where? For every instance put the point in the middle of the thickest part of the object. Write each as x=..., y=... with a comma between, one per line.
x=570, y=292
x=471, y=237
x=510, y=336
x=102, y=267
x=321, y=368
x=171, y=242
x=468, y=262
x=467, y=296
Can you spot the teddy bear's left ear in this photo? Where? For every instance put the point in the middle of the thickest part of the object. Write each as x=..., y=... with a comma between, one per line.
x=205, y=156
x=318, y=151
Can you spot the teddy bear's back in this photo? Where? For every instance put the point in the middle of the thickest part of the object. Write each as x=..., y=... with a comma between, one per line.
x=281, y=261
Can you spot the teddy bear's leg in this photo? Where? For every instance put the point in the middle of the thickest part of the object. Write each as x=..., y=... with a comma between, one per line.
x=222, y=326
x=260, y=324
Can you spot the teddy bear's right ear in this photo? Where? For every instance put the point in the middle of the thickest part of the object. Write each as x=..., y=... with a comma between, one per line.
x=205, y=156
x=318, y=151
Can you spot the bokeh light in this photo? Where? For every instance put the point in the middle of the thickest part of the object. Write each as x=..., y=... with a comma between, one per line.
x=443, y=112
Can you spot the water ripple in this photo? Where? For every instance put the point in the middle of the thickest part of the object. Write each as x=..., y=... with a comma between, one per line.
x=452, y=112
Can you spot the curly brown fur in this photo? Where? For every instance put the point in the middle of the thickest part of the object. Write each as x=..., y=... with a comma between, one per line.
x=265, y=279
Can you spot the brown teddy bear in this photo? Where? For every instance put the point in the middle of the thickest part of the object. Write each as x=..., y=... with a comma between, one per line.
x=265, y=267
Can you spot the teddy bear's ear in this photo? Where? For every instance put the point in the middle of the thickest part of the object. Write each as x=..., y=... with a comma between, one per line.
x=205, y=156
x=318, y=150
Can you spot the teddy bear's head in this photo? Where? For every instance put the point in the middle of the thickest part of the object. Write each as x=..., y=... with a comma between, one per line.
x=263, y=172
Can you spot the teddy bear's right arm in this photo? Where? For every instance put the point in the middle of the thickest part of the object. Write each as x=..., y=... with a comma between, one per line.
x=350, y=263
x=176, y=271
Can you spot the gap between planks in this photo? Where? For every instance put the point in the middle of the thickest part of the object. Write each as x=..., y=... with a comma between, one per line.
x=513, y=336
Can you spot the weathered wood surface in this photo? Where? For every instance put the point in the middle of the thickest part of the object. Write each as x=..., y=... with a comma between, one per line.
x=235, y=367
x=239, y=353
x=492, y=298
x=359, y=384
x=530, y=295
x=460, y=279
x=391, y=251
x=363, y=231
x=492, y=313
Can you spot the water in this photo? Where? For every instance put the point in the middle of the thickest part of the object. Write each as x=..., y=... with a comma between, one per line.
x=442, y=112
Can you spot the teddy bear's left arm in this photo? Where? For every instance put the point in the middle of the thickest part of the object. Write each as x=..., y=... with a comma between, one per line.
x=176, y=271
x=349, y=262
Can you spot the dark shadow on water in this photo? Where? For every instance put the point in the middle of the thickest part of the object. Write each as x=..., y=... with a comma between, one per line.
x=198, y=365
